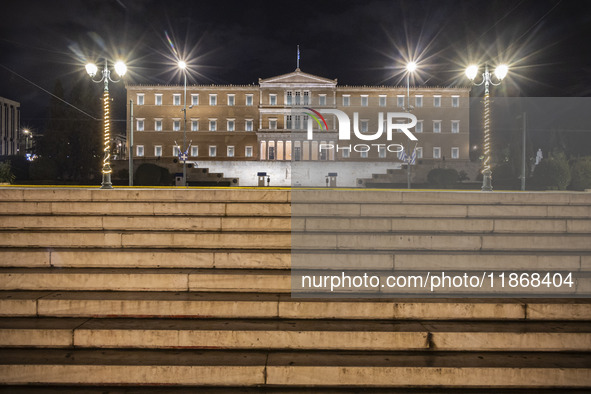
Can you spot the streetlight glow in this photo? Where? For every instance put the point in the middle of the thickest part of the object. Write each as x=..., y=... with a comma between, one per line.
x=91, y=69
x=501, y=71
x=471, y=72
x=411, y=66
x=120, y=68
x=182, y=65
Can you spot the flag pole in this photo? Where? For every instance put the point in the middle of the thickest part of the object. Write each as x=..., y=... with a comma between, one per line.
x=298, y=61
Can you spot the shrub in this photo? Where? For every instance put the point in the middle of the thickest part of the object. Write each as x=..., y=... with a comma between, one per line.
x=503, y=177
x=6, y=175
x=43, y=169
x=552, y=173
x=581, y=174
x=442, y=178
x=149, y=174
x=20, y=167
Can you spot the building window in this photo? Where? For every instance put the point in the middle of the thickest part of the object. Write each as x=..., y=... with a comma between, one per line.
x=346, y=100
x=455, y=153
x=194, y=99
x=382, y=152
x=418, y=101
x=230, y=151
x=346, y=153
x=272, y=99
x=437, y=152
x=298, y=122
x=306, y=98
x=419, y=153
x=158, y=125
x=158, y=99
x=400, y=101
x=194, y=151
x=273, y=124
x=213, y=99
x=139, y=150
x=298, y=96
x=455, y=101
x=194, y=125
x=322, y=99
x=419, y=126
x=364, y=125
x=213, y=125
x=437, y=126
x=455, y=126
x=176, y=99
x=437, y=101
x=271, y=155
x=212, y=151
x=139, y=125
x=230, y=124
x=288, y=121
x=176, y=151
x=382, y=101
x=288, y=98
x=158, y=151
x=297, y=153
x=249, y=100
x=140, y=99
x=176, y=125
x=231, y=99
x=248, y=151
x=364, y=101
x=363, y=154
x=248, y=125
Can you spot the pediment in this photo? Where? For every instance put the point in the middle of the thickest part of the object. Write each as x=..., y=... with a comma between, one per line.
x=297, y=78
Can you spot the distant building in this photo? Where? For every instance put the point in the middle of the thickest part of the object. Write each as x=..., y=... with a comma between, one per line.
x=268, y=122
x=9, y=127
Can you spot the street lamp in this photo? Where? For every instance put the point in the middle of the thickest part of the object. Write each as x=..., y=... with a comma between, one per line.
x=411, y=67
x=500, y=73
x=183, y=66
x=27, y=134
x=105, y=77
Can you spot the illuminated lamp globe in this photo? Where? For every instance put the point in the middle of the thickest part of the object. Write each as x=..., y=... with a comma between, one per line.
x=411, y=67
x=91, y=69
x=120, y=68
x=182, y=65
x=501, y=71
x=471, y=71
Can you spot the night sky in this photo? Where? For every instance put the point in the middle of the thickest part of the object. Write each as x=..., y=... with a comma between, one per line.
x=546, y=43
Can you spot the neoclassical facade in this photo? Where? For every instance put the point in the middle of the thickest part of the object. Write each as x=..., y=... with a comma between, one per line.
x=269, y=121
x=9, y=127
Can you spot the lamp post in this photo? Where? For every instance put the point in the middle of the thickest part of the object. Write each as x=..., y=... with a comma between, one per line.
x=500, y=73
x=183, y=66
x=410, y=68
x=120, y=69
x=27, y=134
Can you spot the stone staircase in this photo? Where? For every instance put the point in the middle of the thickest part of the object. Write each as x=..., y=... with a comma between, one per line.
x=130, y=290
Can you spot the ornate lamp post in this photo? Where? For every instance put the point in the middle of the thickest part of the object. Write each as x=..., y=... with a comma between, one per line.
x=411, y=67
x=500, y=73
x=120, y=69
x=182, y=65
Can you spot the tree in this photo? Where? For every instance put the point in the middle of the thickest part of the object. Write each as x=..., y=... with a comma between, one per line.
x=443, y=178
x=552, y=173
x=581, y=174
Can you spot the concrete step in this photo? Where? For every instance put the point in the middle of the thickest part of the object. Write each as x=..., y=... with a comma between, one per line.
x=145, y=195
x=145, y=239
x=153, y=223
x=451, y=197
x=443, y=225
x=139, y=208
x=295, y=334
x=265, y=306
x=143, y=258
x=417, y=241
x=125, y=279
x=269, y=259
x=317, y=369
